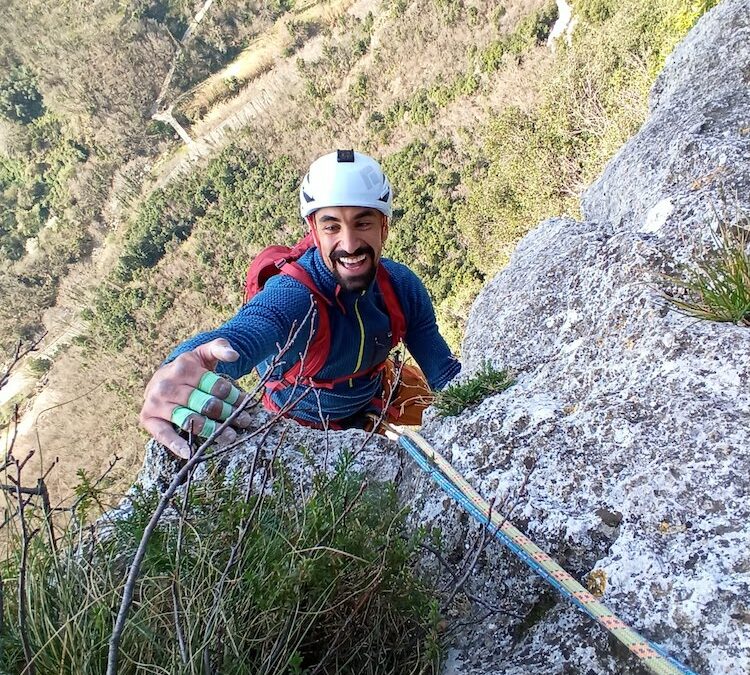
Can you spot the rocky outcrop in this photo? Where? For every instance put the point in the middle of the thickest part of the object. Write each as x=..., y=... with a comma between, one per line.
x=623, y=447
x=636, y=415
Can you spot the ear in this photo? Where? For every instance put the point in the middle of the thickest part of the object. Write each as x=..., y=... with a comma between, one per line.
x=313, y=231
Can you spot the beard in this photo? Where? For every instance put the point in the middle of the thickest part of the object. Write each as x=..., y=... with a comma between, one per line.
x=354, y=282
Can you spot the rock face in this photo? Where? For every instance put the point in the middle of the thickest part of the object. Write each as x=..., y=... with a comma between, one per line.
x=637, y=416
x=634, y=418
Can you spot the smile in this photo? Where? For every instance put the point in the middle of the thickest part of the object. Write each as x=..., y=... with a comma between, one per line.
x=353, y=262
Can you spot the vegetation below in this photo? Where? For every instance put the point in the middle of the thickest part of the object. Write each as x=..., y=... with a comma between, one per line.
x=239, y=582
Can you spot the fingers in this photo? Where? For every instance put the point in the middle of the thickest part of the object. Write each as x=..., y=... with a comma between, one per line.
x=187, y=393
x=163, y=400
x=190, y=421
x=217, y=386
x=164, y=433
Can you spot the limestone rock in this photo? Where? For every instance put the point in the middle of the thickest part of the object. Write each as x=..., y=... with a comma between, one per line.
x=637, y=416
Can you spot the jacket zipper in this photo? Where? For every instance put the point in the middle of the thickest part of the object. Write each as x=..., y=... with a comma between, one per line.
x=361, y=338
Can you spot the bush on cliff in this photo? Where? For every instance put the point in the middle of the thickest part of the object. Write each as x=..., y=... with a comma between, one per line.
x=242, y=584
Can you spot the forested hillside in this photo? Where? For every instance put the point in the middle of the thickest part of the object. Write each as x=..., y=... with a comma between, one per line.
x=483, y=129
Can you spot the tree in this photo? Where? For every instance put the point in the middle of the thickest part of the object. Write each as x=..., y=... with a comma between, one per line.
x=20, y=100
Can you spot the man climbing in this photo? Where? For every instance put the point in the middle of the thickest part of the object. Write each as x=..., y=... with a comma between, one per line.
x=338, y=309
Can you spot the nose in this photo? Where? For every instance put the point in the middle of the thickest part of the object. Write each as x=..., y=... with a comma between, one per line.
x=349, y=240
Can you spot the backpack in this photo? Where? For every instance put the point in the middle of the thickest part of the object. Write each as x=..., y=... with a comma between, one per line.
x=282, y=260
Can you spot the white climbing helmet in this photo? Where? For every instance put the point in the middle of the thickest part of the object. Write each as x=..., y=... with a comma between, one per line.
x=345, y=178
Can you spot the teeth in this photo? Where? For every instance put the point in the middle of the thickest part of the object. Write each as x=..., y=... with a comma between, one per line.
x=353, y=260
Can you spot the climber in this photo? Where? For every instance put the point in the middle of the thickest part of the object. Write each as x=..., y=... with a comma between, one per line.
x=339, y=308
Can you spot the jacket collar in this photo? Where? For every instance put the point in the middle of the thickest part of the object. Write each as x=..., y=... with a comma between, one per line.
x=329, y=286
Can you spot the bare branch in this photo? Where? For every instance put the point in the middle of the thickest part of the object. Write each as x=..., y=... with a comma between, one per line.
x=26, y=536
x=19, y=353
x=176, y=601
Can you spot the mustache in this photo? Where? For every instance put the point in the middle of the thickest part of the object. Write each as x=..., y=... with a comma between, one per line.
x=367, y=250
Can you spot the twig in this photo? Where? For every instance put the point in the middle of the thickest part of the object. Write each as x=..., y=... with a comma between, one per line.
x=112, y=462
x=344, y=513
x=177, y=481
x=482, y=542
x=176, y=602
x=243, y=529
x=26, y=537
x=18, y=354
x=9, y=444
x=455, y=576
x=53, y=407
x=128, y=589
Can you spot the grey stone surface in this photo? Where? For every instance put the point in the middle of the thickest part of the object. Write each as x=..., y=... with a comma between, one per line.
x=637, y=416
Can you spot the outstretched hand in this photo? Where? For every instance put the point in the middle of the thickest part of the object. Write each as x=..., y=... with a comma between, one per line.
x=187, y=393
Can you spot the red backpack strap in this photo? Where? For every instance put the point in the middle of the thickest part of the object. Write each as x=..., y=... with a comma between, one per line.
x=269, y=262
x=392, y=305
x=320, y=346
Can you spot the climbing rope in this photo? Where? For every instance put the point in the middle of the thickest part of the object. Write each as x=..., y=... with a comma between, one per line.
x=653, y=657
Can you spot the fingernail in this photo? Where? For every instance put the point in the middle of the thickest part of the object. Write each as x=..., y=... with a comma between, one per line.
x=227, y=436
x=242, y=420
x=182, y=450
x=228, y=354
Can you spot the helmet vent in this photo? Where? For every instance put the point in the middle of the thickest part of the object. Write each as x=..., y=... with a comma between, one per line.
x=307, y=197
x=386, y=196
x=345, y=155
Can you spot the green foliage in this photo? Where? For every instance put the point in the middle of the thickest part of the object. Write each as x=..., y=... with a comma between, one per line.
x=595, y=11
x=299, y=32
x=425, y=233
x=39, y=366
x=304, y=574
x=239, y=202
x=717, y=286
x=358, y=93
x=534, y=163
x=159, y=221
x=323, y=76
x=455, y=398
x=532, y=30
x=34, y=182
x=20, y=99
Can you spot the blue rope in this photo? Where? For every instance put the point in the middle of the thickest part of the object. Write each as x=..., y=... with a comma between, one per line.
x=452, y=491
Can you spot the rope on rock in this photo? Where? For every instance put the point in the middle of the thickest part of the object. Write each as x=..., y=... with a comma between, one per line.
x=653, y=657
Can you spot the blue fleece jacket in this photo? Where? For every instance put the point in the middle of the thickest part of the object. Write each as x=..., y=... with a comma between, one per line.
x=360, y=337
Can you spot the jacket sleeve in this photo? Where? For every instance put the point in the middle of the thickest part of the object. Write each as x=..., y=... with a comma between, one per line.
x=423, y=339
x=260, y=327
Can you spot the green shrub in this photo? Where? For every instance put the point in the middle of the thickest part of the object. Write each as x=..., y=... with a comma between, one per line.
x=717, y=286
x=534, y=163
x=39, y=366
x=454, y=399
x=326, y=580
x=425, y=233
x=20, y=100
